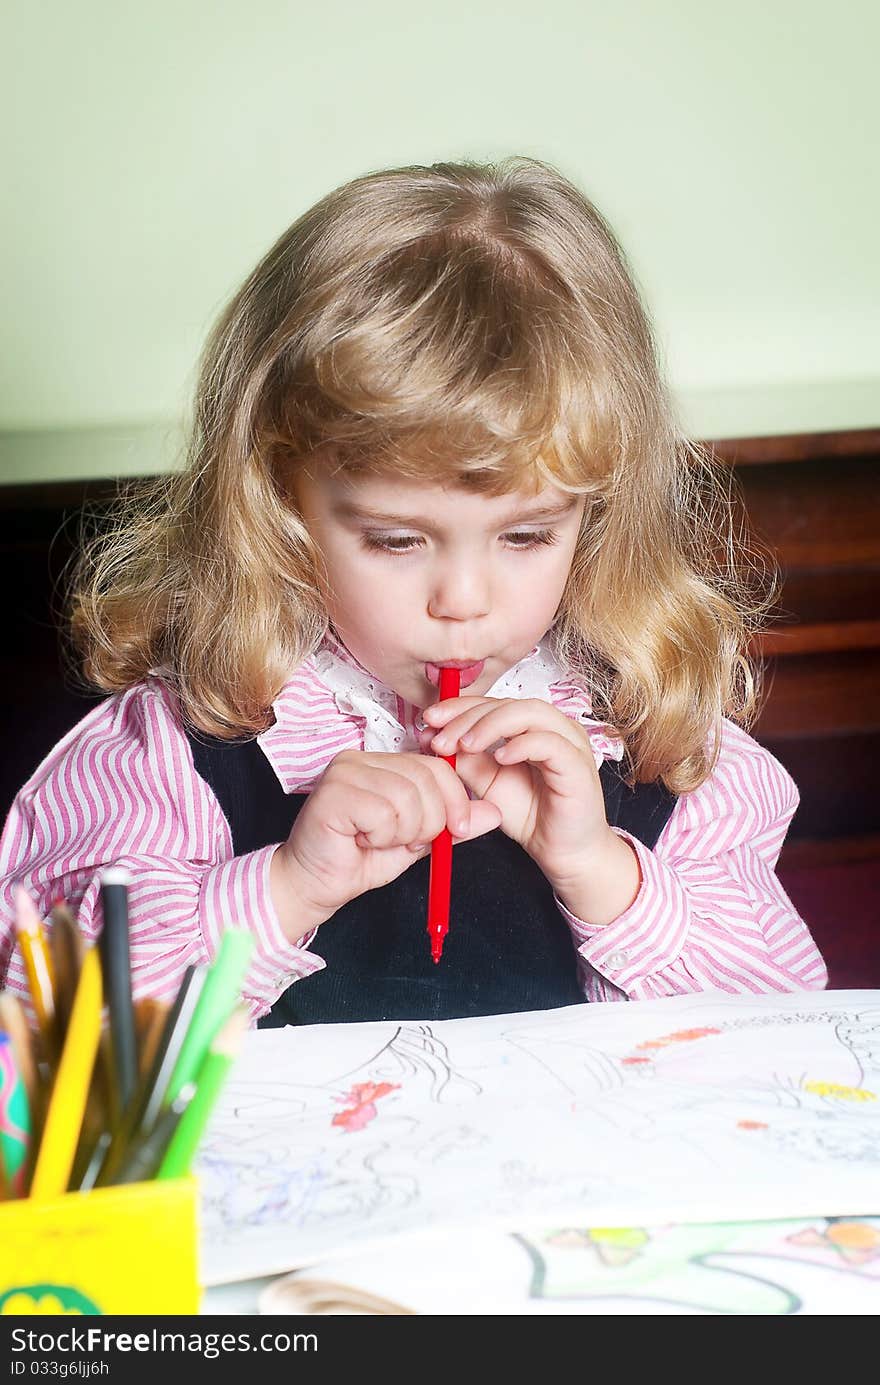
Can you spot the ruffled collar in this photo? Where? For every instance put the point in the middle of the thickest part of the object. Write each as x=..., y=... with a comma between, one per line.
x=333, y=703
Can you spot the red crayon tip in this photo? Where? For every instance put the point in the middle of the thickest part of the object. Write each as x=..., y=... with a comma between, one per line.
x=440, y=877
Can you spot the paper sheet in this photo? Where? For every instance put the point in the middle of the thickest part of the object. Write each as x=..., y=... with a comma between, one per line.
x=701, y=1108
x=816, y=1265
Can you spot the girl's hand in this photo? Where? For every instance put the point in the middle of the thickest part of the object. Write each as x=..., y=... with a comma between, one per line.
x=543, y=780
x=366, y=820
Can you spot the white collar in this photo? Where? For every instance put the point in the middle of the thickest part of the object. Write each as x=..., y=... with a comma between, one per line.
x=378, y=720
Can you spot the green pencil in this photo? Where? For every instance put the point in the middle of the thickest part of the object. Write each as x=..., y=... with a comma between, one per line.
x=219, y=995
x=211, y=1075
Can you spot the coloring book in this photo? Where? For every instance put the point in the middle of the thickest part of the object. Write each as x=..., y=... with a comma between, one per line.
x=696, y=1109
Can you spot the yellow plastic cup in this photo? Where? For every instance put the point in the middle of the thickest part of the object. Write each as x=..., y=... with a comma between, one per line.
x=126, y=1249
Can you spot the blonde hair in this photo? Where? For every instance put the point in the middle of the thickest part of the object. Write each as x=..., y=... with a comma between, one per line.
x=456, y=322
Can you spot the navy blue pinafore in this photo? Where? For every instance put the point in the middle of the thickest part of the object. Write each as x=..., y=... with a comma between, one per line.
x=508, y=948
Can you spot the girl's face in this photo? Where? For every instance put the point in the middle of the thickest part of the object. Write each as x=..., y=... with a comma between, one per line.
x=419, y=575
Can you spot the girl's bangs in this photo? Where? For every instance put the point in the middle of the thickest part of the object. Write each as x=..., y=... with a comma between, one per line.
x=457, y=360
x=532, y=419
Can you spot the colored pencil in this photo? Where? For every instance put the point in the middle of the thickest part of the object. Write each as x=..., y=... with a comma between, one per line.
x=24, y=1041
x=37, y=960
x=156, y=1089
x=15, y=1122
x=142, y=1113
x=86, y=1181
x=440, y=874
x=13, y=1022
x=67, y=948
x=102, y=1112
x=71, y=1087
x=220, y=994
x=149, y=1021
x=143, y=1159
x=116, y=963
x=212, y=1073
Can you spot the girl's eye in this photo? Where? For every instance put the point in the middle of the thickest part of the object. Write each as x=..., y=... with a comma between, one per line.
x=408, y=543
x=530, y=538
x=391, y=543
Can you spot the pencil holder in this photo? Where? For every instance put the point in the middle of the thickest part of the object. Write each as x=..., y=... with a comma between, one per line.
x=126, y=1249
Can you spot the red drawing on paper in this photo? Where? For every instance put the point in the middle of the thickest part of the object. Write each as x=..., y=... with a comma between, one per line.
x=681, y=1036
x=362, y=1100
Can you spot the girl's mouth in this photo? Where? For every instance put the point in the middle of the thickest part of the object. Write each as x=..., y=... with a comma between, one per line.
x=469, y=672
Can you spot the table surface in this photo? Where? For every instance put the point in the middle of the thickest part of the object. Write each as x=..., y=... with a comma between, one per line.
x=235, y=1299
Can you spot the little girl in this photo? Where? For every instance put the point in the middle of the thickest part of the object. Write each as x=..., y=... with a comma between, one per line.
x=429, y=432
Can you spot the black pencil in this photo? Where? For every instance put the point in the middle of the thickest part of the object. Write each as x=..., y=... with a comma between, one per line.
x=142, y=1111
x=116, y=962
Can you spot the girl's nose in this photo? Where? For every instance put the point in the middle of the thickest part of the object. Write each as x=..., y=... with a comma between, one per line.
x=460, y=591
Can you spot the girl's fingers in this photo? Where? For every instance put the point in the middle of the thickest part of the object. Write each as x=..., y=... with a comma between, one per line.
x=411, y=798
x=447, y=738
x=479, y=773
x=373, y=818
x=556, y=757
x=421, y=809
x=464, y=818
x=480, y=726
x=483, y=817
x=439, y=713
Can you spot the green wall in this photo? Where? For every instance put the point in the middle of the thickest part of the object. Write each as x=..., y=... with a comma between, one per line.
x=155, y=151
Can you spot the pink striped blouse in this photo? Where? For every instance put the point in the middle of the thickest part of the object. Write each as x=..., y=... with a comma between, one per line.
x=121, y=789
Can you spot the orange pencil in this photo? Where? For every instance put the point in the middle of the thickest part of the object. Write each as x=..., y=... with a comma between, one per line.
x=440, y=876
x=149, y=1019
x=35, y=954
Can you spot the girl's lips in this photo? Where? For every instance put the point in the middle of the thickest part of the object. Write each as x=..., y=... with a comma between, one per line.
x=469, y=672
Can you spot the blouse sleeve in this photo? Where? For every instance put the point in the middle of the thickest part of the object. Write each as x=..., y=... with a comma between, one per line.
x=121, y=789
x=711, y=913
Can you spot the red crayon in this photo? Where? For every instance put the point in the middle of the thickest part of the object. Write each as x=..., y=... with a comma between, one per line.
x=440, y=878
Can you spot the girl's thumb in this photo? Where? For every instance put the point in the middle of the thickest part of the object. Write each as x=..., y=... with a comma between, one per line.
x=485, y=817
